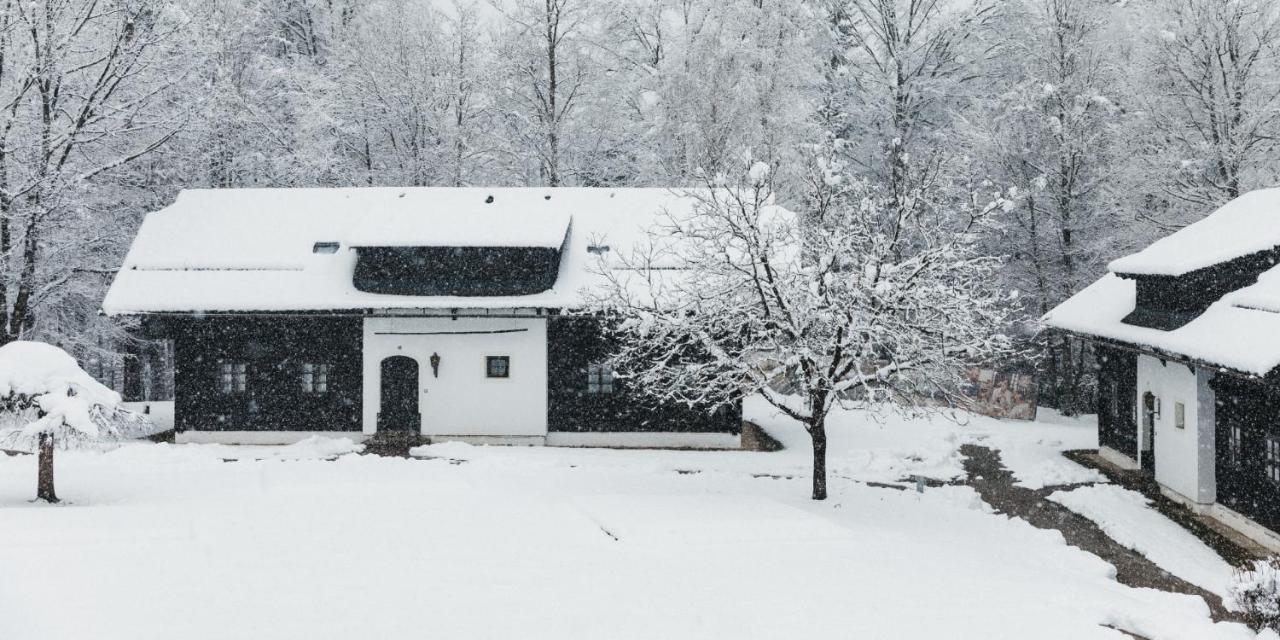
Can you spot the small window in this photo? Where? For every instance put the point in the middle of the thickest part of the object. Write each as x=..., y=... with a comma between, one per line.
x=598, y=249
x=325, y=247
x=1235, y=446
x=599, y=378
x=232, y=376
x=315, y=377
x=497, y=366
x=1179, y=415
x=1273, y=459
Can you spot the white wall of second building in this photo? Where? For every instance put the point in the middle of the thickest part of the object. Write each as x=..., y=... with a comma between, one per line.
x=461, y=399
x=1183, y=454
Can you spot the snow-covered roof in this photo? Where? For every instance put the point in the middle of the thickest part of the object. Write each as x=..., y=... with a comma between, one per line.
x=251, y=250
x=1237, y=331
x=1248, y=224
x=1229, y=333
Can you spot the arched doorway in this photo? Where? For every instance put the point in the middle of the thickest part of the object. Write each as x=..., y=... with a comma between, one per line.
x=399, y=408
x=1147, y=453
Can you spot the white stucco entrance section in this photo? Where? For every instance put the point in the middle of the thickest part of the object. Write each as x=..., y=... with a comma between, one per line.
x=1184, y=438
x=460, y=399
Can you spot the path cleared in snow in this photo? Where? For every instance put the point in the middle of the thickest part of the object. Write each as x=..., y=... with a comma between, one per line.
x=1163, y=556
x=162, y=541
x=1127, y=517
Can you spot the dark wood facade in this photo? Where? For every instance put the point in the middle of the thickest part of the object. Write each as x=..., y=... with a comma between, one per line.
x=576, y=343
x=1247, y=448
x=1117, y=393
x=244, y=373
x=1169, y=302
x=456, y=271
x=301, y=373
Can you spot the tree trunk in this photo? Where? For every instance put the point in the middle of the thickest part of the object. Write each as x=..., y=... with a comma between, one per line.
x=818, y=432
x=44, y=476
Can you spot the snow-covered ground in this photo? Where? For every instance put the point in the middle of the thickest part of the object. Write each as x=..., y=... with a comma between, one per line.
x=315, y=541
x=1127, y=517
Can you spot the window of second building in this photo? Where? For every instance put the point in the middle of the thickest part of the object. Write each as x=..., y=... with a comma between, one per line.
x=233, y=377
x=1273, y=458
x=497, y=366
x=315, y=377
x=1235, y=446
x=599, y=378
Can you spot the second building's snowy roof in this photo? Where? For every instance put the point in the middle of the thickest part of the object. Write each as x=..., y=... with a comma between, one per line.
x=1228, y=334
x=1237, y=331
x=251, y=250
x=1246, y=225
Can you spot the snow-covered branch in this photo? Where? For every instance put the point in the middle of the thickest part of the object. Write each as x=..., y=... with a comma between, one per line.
x=746, y=297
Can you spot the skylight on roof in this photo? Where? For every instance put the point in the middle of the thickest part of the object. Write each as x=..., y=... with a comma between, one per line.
x=325, y=247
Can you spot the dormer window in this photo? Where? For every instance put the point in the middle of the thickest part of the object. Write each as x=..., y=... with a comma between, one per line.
x=325, y=247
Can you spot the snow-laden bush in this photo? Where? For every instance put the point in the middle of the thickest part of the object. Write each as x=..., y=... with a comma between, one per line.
x=47, y=401
x=1255, y=592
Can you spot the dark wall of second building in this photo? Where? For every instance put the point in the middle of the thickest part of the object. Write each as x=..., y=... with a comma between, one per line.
x=1117, y=398
x=1247, y=443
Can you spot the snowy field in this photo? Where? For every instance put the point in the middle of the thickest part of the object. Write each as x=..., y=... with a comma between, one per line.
x=311, y=541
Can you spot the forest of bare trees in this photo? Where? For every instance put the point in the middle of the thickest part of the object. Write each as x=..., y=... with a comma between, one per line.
x=1097, y=123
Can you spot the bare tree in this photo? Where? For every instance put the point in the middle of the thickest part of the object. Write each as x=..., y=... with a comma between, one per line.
x=1054, y=131
x=551, y=74
x=908, y=62
x=78, y=83
x=1216, y=101
x=854, y=306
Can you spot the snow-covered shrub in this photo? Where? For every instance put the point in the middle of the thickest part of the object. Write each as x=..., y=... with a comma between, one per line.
x=1255, y=592
x=47, y=401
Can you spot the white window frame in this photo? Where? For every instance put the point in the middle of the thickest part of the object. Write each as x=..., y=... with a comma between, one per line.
x=315, y=377
x=1272, y=458
x=600, y=378
x=233, y=377
x=1235, y=445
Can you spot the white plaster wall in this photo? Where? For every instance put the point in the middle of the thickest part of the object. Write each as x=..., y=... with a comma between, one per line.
x=1206, y=452
x=462, y=401
x=1184, y=457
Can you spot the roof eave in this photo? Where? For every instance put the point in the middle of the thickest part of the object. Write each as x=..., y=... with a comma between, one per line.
x=1163, y=354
